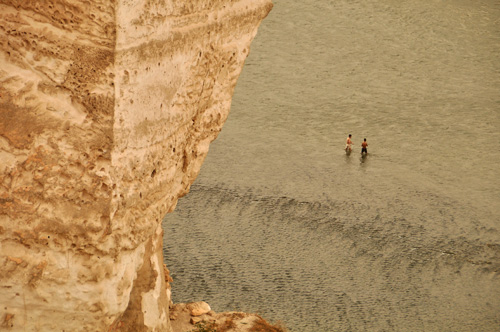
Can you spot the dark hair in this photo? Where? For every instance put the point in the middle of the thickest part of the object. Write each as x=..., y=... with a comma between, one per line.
x=365, y=139
x=350, y=135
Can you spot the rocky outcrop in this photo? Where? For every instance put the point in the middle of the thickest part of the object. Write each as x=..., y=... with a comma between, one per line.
x=197, y=316
x=107, y=109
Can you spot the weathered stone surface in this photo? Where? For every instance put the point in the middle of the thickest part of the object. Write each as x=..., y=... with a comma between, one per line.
x=107, y=109
x=183, y=320
x=198, y=308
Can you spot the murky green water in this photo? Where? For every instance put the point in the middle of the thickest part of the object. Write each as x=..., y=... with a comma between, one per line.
x=282, y=222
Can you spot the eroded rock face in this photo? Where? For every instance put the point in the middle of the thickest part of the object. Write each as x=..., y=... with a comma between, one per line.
x=197, y=316
x=107, y=109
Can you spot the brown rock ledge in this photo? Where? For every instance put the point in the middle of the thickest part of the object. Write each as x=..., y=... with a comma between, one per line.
x=183, y=320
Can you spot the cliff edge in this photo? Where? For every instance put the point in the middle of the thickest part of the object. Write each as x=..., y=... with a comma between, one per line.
x=107, y=109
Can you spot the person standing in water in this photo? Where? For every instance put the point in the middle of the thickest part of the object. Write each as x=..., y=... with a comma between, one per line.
x=348, y=144
x=364, y=147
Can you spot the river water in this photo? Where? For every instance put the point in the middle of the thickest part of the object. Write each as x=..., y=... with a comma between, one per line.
x=283, y=223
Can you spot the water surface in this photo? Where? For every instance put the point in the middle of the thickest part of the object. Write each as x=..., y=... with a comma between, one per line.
x=282, y=222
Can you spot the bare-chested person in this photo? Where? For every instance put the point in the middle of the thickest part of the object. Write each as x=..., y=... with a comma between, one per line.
x=348, y=144
x=364, y=147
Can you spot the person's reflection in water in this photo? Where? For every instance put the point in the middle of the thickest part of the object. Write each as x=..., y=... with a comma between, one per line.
x=364, y=158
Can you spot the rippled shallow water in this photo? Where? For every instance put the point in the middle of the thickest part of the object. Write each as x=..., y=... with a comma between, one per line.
x=282, y=222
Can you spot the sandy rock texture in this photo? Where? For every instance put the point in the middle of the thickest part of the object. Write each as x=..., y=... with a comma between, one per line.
x=107, y=109
x=197, y=316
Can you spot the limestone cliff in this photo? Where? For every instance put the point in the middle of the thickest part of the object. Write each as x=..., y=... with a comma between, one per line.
x=107, y=109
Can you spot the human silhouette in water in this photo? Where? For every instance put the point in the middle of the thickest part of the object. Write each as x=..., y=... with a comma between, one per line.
x=364, y=147
x=348, y=144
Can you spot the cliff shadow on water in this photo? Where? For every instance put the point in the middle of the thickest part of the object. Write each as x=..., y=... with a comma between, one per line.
x=331, y=263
